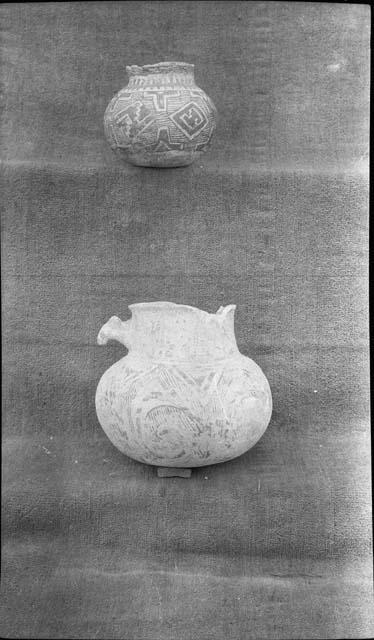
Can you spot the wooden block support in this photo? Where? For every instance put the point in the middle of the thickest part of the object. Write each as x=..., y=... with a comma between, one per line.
x=170, y=472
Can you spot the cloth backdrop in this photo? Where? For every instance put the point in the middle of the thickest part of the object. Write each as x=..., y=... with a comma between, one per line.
x=274, y=218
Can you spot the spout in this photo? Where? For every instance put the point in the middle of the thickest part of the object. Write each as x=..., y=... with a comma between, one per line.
x=115, y=329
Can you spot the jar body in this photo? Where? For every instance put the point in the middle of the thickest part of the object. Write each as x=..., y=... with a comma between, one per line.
x=161, y=118
x=183, y=414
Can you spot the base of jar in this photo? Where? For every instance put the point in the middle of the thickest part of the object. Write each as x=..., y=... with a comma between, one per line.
x=160, y=160
x=172, y=472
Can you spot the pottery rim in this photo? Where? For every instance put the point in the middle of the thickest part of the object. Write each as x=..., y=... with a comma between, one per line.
x=173, y=305
x=160, y=67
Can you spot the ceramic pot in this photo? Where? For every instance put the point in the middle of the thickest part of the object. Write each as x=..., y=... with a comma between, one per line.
x=161, y=118
x=184, y=396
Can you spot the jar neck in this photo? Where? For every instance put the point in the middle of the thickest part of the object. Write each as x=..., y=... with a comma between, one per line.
x=161, y=74
x=171, y=332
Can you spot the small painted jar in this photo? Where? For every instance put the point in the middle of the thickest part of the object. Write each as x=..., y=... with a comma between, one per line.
x=161, y=118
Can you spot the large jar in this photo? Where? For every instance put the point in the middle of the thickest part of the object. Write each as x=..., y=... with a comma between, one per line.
x=184, y=396
x=161, y=118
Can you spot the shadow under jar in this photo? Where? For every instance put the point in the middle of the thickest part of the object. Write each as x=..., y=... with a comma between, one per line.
x=161, y=118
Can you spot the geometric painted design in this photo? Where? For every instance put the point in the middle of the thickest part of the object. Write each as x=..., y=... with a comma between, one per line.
x=164, y=143
x=133, y=119
x=160, y=98
x=169, y=416
x=190, y=119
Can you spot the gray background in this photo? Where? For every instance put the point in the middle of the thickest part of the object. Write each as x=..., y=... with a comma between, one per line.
x=277, y=543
